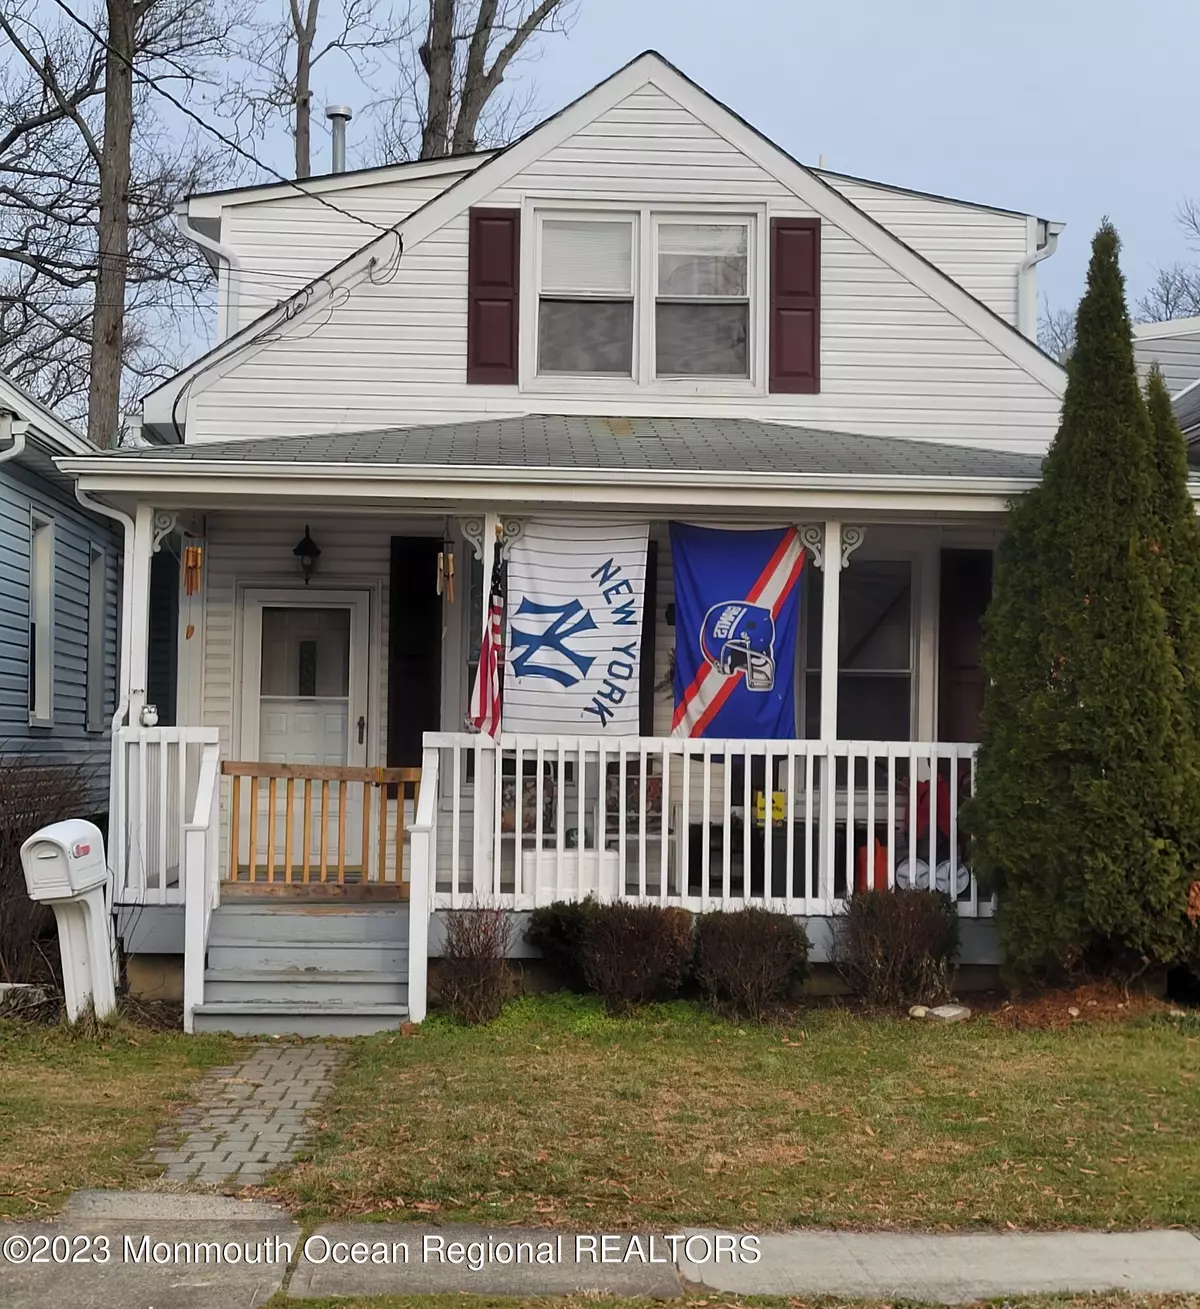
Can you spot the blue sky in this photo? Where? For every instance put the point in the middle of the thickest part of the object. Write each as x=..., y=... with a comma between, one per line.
x=1070, y=109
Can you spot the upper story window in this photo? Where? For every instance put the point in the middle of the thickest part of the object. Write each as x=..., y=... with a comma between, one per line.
x=674, y=298
x=586, y=296
x=645, y=296
x=702, y=309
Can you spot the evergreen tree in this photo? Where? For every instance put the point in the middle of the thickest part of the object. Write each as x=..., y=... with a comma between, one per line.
x=1079, y=790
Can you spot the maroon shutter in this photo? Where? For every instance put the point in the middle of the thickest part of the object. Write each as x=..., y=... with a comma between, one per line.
x=493, y=272
x=796, y=305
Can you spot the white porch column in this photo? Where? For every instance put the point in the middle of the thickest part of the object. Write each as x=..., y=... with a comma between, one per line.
x=830, y=611
x=134, y=658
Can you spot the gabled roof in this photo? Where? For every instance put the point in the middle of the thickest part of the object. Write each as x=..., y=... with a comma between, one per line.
x=635, y=445
x=1168, y=328
x=647, y=68
x=55, y=435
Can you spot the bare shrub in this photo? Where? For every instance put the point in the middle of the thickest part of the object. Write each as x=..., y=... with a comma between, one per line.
x=635, y=953
x=747, y=960
x=33, y=792
x=475, y=978
x=897, y=948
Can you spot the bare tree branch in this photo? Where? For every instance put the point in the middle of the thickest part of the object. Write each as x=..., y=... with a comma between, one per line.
x=1056, y=331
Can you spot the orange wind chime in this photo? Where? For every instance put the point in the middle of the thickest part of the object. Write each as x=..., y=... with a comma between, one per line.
x=193, y=567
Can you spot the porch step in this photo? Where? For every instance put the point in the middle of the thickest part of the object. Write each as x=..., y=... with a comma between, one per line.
x=258, y=920
x=321, y=956
x=305, y=969
x=297, y=1018
x=336, y=988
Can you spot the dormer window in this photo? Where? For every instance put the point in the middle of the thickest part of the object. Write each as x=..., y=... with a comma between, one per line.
x=671, y=300
x=586, y=296
x=702, y=310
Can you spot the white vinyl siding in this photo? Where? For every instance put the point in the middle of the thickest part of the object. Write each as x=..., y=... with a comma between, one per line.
x=393, y=353
x=981, y=249
x=1178, y=357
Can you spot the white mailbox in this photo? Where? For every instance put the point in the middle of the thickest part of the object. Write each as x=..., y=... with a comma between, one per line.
x=64, y=859
x=65, y=867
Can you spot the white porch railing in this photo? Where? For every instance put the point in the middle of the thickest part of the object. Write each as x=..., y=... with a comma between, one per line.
x=704, y=824
x=201, y=879
x=153, y=801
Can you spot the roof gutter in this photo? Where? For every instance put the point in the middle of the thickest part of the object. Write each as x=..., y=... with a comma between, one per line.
x=227, y=312
x=1045, y=236
x=130, y=472
x=18, y=431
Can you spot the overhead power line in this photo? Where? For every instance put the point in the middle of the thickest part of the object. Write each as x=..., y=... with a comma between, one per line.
x=215, y=131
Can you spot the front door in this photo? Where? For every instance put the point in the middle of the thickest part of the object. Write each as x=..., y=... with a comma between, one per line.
x=305, y=702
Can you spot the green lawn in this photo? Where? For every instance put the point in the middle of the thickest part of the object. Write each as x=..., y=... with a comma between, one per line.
x=78, y=1111
x=560, y=1115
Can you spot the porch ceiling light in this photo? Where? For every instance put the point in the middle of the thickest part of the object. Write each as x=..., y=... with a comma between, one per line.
x=308, y=552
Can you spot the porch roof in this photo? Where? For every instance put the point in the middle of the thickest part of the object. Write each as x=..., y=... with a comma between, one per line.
x=565, y=442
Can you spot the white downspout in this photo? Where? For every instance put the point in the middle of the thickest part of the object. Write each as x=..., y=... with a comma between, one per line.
x=114, y=747
x=1044, y=240
x=227, y=318
x=18, y=431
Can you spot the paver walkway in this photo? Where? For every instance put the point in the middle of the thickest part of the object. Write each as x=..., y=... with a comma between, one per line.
x=248, y=1120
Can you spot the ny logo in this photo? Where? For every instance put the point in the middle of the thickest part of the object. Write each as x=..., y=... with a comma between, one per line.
x=568, y=620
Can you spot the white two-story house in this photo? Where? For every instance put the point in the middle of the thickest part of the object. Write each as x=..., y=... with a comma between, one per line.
x=641, y=313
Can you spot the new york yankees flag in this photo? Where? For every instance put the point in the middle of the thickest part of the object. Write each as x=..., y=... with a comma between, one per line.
x=575, y=592
x=737, y=605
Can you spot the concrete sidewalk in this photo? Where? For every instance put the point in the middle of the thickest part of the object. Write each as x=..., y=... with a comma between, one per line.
x=215, y=1252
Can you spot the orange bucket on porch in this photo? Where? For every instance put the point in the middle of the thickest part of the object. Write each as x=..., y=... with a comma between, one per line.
x=879, y=852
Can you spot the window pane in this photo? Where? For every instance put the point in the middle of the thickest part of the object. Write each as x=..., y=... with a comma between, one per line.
x=875, y=615
x=870, y=708
x=702, y=260
x=705, y=339
x=305, y=652
x=585, y=336
x=585, y=256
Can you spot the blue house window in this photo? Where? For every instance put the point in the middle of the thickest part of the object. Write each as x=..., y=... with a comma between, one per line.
x=41, y=622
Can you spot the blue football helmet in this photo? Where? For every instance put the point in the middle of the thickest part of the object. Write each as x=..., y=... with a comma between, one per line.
x=740, y=637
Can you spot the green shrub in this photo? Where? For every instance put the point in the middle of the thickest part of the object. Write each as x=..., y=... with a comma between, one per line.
x=1084, y=818
x=748, y=960
x=557, y=931
x=633, y=954
x=897, y=947
x=35, y=791
x=474, y=978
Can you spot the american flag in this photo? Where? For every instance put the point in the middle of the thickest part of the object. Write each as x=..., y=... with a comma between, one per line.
x=485, y=697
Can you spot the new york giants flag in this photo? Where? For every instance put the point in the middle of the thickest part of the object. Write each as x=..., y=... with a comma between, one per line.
x=737, y=604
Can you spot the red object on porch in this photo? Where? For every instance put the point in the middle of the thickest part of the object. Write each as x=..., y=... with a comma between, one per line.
x=485, y=697
x=880, y=879
x=943, y=807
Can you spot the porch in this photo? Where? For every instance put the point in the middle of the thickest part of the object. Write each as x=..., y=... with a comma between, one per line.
x=296, y=678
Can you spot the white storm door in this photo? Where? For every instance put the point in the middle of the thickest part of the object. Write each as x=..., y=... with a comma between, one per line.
x=305, y=667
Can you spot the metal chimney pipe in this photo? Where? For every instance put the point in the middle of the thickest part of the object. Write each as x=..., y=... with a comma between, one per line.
x=339, y=116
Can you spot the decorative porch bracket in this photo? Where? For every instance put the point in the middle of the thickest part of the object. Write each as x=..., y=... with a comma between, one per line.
x=164, y=524
x=812, y=537
x=477, y=530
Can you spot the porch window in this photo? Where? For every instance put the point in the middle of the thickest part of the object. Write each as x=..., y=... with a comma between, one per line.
x=702, y=311
x=41, y=621
x=585, y=296
x=875, y=653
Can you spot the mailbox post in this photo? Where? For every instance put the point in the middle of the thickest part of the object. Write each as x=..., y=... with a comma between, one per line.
x=65, y=868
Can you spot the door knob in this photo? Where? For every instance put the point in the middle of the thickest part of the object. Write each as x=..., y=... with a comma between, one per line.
x=362, y=728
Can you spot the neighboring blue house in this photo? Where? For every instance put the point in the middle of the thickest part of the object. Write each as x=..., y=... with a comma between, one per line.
x=59, y=567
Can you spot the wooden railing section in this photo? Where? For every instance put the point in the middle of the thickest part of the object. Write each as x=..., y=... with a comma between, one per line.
x=320, y=825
